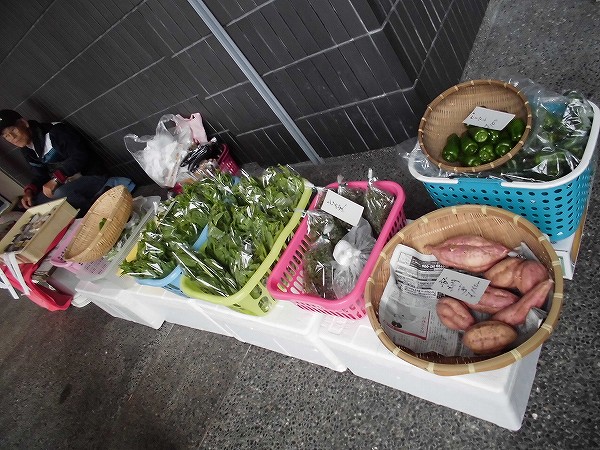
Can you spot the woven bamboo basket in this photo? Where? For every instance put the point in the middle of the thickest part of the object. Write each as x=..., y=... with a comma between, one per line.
x=445, y=115
x=101, y=227
x=494, y=224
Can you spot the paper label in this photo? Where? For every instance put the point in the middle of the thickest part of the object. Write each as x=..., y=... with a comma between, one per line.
x=460, y=286
x=488, y=118
x=342, y=208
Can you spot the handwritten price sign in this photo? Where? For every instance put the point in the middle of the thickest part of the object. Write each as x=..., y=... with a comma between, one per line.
x=342, y=208
x=488, y=118
x=460, y=285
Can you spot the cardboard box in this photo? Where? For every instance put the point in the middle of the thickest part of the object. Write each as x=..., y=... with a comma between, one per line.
x=60, y=214
x=568, y=249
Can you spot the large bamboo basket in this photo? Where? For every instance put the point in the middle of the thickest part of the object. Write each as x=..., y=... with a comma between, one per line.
x=492, y=223
x=446, y=112
x=93, y=240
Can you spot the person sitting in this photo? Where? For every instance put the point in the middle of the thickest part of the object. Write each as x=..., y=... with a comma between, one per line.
x=62, y=162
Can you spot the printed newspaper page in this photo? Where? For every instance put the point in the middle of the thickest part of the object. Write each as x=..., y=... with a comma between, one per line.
x=407, y=309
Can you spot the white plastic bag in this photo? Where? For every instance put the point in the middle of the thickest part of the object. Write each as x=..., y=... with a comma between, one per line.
x=160, y=155
x=351, y=254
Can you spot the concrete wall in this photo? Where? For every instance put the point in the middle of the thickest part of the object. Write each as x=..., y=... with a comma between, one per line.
x=353, y=74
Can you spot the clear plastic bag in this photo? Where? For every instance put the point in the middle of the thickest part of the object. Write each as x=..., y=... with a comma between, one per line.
x=554, y=147
x=161, y=154
x=351, y=254
x=558, y=137
x=378, y=205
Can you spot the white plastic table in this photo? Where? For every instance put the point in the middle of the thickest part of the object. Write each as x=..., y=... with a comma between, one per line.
x=498, y=396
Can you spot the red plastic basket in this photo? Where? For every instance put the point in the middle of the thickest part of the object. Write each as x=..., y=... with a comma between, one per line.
x=226, y=162
x=286, y=281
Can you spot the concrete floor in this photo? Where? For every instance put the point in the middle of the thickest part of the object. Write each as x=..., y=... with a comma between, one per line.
x=83, y=379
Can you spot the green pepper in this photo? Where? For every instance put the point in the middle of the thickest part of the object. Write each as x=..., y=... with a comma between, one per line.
x=551, y=122
x=486, y=153
x=471, y=160
x=516, y=128
x=555, y=164
x=451, y=150
x=479, y=134
x=493, y=136
x=467, y=145
x=503, y=147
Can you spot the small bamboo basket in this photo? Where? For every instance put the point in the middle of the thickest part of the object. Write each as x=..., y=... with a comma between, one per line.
x=445, y=115
x=101, y=227
x=494, y=224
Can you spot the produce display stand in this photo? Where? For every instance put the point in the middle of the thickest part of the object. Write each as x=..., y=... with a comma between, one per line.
x=498, y=396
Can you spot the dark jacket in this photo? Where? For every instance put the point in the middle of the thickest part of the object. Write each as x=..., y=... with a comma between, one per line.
x=70, y=154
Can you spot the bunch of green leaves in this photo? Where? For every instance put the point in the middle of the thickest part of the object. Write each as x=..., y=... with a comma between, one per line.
x=318, y=270
x=154, y=259
x=208, y=274
x=322, y=225
x=378, y=205
x=283, y=188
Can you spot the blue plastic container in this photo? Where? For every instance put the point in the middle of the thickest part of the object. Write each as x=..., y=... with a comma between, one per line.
x=171, y=281
x=555, y=207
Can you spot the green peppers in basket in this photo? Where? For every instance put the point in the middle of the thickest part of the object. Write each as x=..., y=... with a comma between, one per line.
x=451, y=151
x=478, y=145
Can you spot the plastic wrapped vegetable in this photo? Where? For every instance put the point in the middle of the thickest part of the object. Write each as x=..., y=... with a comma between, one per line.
x=208, y=274
x=351, y=254
x=154, y=259
x=378, y=205
x=353, y=194
x=558, y=138
x=318, y=270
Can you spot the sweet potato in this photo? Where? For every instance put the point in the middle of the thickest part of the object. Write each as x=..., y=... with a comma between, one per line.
x=530, y=274
x=494, y=300
x=516, y=313
x=468, y=239
x=489, y=336
x=471, y=253
x=454, y=314
x=503, y=274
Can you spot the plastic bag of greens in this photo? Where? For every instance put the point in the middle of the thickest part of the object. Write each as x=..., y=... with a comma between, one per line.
x=283, y=188
x=355, y=195
x=206, y=273
x=320, y=224
x=351, y=254
x=558, y=137
x=378, y=205
x=318, y=270
x=154, y=260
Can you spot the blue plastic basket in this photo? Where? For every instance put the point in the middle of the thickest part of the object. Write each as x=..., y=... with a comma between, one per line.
x=171, y=281
x=555, y=207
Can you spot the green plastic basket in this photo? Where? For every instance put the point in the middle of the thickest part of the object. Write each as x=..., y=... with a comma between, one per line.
x=254, y=298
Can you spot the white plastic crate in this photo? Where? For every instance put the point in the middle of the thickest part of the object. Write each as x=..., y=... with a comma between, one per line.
x=118, y=303
x=498, y=396
x=174, y=308
x=287, y=329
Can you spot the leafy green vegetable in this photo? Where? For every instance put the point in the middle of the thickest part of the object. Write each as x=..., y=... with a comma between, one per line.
x=243, y=221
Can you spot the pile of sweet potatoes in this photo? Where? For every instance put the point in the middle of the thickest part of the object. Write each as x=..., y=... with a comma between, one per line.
x=516, y=286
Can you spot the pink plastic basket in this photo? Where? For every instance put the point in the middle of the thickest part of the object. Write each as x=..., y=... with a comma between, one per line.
x=226, y=162
x=286, y=281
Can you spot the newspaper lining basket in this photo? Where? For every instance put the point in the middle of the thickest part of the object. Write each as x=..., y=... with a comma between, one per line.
x=555, y=207
x=101, y=226
x=492, y=223
x=445, y=115
x=286, y=280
